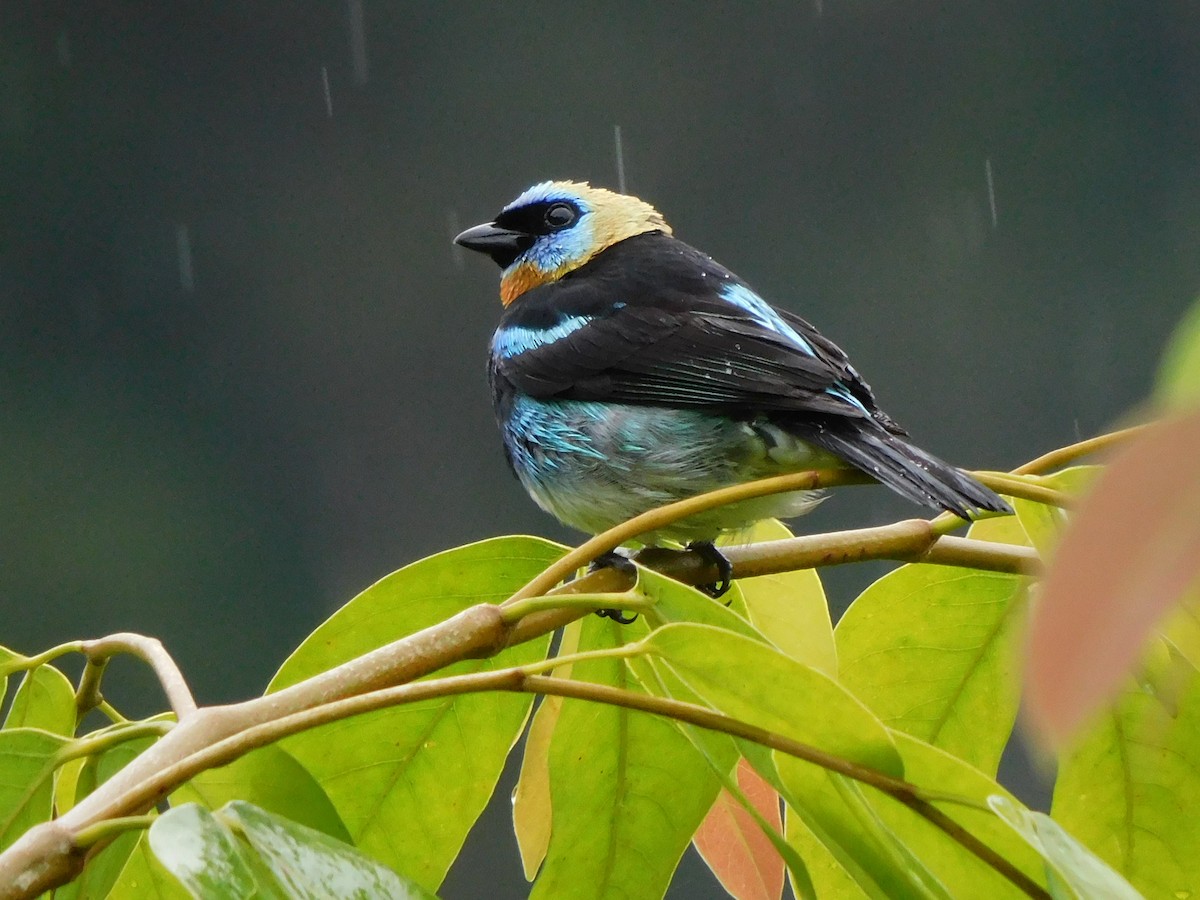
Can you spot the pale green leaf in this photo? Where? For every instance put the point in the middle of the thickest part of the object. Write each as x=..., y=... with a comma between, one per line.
x=309, y=864
x=1044, y=523
x=409, y=782
x=199, y=850
x=1179, y=373
x=789, y=608
x=1083, y=871
x=143, y=877
x=8, y=662
x=270, y=778
x=1130, y=787
x=676, y=602
x=531, y=797
x=1000, y=530
x=103, y=869
x=871, y=838
x=26, y=780
x=628, y=790
x=829, y=868
x=45, y=700
x=930, y=649
x=758, y=684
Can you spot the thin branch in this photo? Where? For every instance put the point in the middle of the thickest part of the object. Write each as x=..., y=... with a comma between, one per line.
x=817, y=479
x=110, y=737
x=46, y=856
x=1056, y=459
x=516, y=680
x=112, y=828
x=1016, y=486
x=150, y=651
x=663, y=516
x=898, y=789
x=626, y=600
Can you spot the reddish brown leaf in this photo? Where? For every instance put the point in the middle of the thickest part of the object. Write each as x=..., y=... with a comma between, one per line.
x=733, y=845
x=1128, y=556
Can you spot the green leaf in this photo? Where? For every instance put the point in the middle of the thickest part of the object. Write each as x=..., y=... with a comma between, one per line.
x=1179, y=374
x=8, y=660
x=143, y=877
x=757, y=684
x=309, y=864
x=45, y=700
x=1002, y=530
x=875, y=838
x=829, y=868
x=627, y=789
x=199, y=850
x=676, y=602
x=1044, y=523
x=1129, y=790
x=105, y=868
x=1081, y=869
x=930, y=650
x=27, y=758
x=531, y=797
x=789, y=608
x=409, y=782
x=679, y=603
x=270, y=778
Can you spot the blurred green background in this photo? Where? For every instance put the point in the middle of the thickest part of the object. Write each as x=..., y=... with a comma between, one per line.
x=241, y=364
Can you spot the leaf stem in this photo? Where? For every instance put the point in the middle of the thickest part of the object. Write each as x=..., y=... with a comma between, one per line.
x=631, y=599
x=1056, y=459
x=111, y=737
x=20, y=663
x=662, y=516
x=515, y=680
x=112, y=828
x=150, y=651
x=1025, y=488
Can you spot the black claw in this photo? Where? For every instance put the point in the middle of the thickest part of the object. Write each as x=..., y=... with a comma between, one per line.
x=710, y=554
x=620, y=616
x=614, y=560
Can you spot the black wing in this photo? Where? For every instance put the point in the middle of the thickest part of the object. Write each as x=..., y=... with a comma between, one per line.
x=649, y=322
x=652, y=321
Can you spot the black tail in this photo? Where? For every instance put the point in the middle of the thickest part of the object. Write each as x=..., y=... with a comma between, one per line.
x=906, y=469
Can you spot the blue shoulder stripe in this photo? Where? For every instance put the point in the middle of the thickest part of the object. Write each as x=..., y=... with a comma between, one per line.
x=762, y=312
x=512, y=340
x=745, y=299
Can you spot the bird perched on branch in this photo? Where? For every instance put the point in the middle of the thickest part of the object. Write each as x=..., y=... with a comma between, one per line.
x=630, y=370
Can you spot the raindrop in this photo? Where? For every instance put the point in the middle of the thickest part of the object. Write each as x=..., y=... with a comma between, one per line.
x=325, y=90
x=991, y=186
x=620, y=151
x=358, y=40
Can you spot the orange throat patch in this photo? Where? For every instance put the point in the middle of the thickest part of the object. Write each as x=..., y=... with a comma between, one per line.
x=521, y=279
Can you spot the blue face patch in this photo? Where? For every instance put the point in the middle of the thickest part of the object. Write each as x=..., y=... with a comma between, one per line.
x=758, y=308
x=515, y=339
x=552, y=252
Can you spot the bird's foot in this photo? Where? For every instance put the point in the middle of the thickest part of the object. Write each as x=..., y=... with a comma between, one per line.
x=613, y=559
x=710, y=554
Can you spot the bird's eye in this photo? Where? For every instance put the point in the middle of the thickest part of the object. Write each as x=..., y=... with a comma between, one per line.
x=560, y=215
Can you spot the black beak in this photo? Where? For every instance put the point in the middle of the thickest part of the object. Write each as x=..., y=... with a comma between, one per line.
x=501, y=244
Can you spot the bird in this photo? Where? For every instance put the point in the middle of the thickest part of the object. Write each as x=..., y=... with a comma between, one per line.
x=630, y=370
